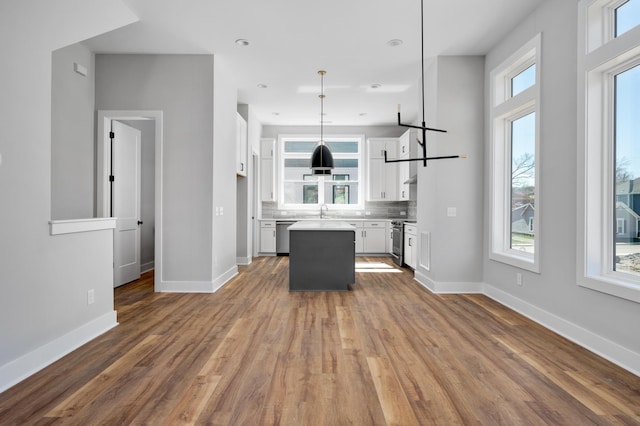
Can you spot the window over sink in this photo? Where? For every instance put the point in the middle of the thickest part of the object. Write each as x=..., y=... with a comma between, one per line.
x=301, y=190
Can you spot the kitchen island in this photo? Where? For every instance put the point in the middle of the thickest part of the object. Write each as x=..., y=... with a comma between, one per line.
x=322, y=256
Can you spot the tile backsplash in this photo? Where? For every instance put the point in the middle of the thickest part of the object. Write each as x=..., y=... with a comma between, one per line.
x=372, y=210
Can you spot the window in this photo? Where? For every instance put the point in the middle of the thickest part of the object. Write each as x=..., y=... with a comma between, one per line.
x=302, y=190
x=523, y=80
x=515, y=226
x=620, y=228
x=627, y=16
x=609, y=188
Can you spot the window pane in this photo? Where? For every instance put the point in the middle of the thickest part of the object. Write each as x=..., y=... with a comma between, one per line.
x=524, y=80
x=339, y=146
x=627, y=16
x=523, y=161
x=301, y=192
x=300, y=146
x=627, y=167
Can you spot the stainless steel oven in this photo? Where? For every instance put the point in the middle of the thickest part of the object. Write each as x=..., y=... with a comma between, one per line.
x=397, y=230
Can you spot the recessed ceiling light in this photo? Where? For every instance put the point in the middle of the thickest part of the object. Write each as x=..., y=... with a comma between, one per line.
x=395, y=42
x=262, y=86
x=242, y=42
x=275, y=113
x=362, y=114
x=376, y=86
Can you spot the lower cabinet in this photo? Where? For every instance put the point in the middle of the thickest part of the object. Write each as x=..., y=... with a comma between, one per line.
x=410, y=243
x=268, y=236
x=371, y=237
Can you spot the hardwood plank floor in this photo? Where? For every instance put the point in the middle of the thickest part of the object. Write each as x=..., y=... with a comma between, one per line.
x=387, y=352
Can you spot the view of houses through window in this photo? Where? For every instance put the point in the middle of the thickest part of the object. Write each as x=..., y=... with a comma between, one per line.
x=303, y=190
x=523, y=162
x=627, y=171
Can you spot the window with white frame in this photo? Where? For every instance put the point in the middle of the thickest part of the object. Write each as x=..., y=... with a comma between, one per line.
x=302, y=190
x=515, y=87
x=608, y=129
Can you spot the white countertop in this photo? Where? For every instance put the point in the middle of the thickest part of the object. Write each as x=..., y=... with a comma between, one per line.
x=325, y=225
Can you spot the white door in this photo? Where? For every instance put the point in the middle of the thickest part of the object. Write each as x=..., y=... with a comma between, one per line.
x=126, y=202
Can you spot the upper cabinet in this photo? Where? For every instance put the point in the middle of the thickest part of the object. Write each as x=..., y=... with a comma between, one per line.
x=404, y=146
x=382, y=177
x=267, y=170
x=241, y=145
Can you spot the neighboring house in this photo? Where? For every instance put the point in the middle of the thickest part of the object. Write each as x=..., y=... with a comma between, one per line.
x=628, y=192
x=522, y=219
x=627, y=222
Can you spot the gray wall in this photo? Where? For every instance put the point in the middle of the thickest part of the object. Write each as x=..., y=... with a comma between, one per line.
x=44, y=279
x=147, y=193
x=554, y=289
x=72, y=134
x=224, y=171
x=454, y=89
x=182, y=87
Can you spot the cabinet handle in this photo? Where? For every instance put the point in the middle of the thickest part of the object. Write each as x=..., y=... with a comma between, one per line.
x=410, y=242
x=274, y=234
x=402, y=194
x=242, y=167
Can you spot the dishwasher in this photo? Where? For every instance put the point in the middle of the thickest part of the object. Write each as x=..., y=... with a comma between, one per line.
x=282, y=237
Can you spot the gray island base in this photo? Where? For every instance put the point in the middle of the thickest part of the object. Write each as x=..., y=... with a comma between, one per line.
x=322, y=256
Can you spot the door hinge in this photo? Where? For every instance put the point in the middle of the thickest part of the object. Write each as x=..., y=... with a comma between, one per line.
x=111, y=178
x=112, y=135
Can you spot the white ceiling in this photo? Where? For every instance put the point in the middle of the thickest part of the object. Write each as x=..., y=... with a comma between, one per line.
x=290, y=40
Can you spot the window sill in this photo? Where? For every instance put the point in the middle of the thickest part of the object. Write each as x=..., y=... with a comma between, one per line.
x=612, y=285
x=525, y=262
x=59, y=227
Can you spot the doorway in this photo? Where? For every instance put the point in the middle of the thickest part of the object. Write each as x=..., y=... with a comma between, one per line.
x=150, y=125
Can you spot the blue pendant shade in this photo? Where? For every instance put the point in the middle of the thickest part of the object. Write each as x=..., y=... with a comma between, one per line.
x=321, y=160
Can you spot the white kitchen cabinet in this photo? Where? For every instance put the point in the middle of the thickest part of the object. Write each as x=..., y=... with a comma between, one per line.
x=359, y=236
x=382, y=177
x=267, y=170
x=404, y=149
x=371, y=237
x=241, y=145
x=267, y=236
x=375, y=237
x=410, y=245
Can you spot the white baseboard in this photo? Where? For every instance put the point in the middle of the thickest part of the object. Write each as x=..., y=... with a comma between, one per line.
x=243, y=260
x=19, y=369
x=198, y=286
x=448, y=287
x=599, y=345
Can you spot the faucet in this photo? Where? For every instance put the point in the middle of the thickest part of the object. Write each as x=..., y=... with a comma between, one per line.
x=325, y=206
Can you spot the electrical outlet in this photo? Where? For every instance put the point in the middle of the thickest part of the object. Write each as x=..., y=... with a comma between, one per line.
x=519, y=279
x=91, y=297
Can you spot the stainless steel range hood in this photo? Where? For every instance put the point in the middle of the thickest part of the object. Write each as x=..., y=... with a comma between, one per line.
x=412, y=179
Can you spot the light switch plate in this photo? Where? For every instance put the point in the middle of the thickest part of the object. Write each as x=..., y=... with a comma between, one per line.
x=452, y=212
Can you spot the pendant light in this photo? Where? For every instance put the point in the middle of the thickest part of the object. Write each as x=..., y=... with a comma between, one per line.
x=424, y=128
x=321, y=159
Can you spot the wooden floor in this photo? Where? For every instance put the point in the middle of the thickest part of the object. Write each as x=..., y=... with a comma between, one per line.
x=387, y=352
